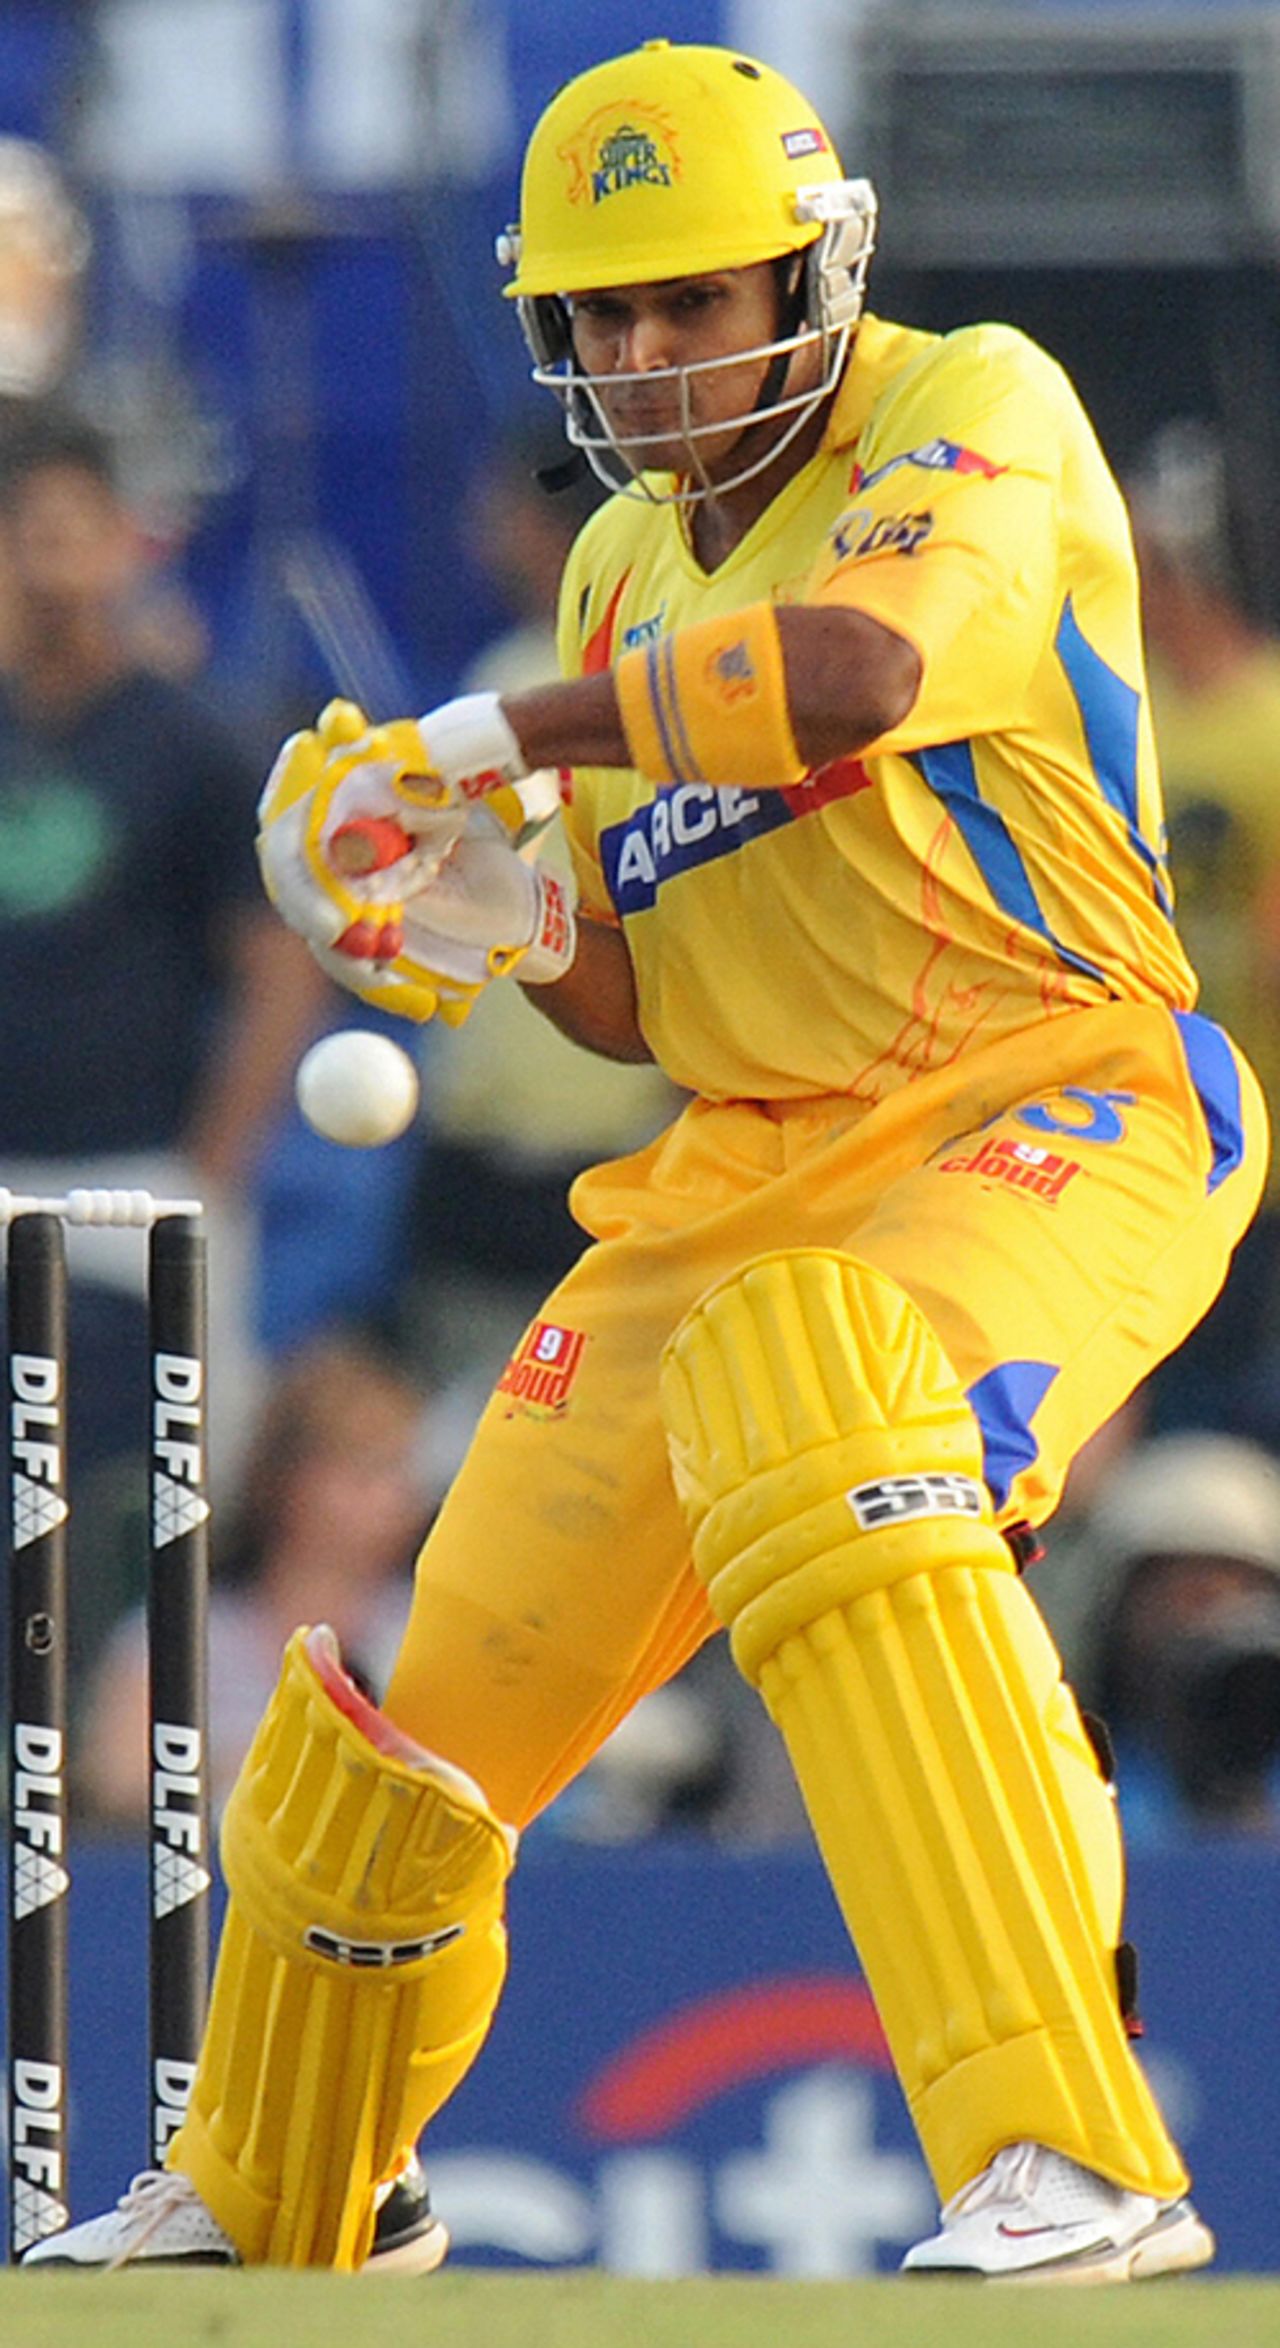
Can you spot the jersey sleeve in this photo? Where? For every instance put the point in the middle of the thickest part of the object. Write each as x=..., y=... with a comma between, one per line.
x=950, y=536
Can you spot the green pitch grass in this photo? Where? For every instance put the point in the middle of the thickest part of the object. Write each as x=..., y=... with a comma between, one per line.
x=203, y=2309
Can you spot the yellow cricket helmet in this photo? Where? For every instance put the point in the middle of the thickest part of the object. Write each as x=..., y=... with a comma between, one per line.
x=665, y=163
x=678, y=161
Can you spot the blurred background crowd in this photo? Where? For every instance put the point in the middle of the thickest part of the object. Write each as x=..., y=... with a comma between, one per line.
x=265, y=433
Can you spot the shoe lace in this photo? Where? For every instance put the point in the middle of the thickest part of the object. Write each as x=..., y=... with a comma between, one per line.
x=152, y=2196
x=1009, y=2177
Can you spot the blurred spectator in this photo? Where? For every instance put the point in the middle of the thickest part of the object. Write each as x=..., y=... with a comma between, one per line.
x=152, y=1008
x=524, y=509
x=515, y=1109
x=1215, y=686
x=325, y=1529
x=45, y=248
x=1183, y=1656
x=44, y=244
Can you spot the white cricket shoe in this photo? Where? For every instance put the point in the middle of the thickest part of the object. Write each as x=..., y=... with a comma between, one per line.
x=161, y=2217
x=163, y=2220
x=1034, y=2216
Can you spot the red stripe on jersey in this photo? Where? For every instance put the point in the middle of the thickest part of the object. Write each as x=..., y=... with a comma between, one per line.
x=841, y=779
x=597, y=652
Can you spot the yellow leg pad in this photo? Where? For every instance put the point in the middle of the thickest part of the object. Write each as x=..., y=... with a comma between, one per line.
x=361, y=1960
x=830, y=1468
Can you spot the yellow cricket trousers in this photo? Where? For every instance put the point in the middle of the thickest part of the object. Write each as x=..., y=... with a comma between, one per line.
x=1062, y=1206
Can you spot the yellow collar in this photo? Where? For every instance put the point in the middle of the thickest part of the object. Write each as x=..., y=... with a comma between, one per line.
x=880, y=351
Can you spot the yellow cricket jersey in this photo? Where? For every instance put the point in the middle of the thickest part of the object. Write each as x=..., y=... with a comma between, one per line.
x=997, y=858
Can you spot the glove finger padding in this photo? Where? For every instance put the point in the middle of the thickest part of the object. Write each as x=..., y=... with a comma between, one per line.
x=344, y=770
x=337, y=772
x=486, y=913
x=423, y=775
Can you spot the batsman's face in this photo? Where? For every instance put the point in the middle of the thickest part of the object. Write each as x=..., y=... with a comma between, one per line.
x=639, y=341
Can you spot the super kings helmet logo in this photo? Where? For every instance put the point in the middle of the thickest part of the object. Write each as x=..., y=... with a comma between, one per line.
x=608, y=155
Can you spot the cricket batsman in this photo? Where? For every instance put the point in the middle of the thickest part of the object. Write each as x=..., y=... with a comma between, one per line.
x=860, y=787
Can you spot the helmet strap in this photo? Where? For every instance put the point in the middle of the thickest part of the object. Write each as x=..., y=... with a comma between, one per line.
x=790, y=280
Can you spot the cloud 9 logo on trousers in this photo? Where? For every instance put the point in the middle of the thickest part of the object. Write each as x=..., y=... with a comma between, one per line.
x=1023, y=1165
x=542, y=1370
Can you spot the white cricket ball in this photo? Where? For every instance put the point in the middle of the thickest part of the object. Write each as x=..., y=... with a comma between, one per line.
x=357, y=1088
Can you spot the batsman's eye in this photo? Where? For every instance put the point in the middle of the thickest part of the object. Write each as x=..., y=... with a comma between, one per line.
x=598, y=310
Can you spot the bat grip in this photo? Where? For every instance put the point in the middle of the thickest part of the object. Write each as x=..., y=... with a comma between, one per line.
x=368, y=843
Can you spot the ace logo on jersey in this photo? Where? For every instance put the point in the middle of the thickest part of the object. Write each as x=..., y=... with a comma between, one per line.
x=542, y=1369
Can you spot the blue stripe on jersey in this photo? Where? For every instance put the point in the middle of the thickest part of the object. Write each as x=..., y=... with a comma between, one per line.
x=681, y=826
x=1212, y=1068
x=949, y=772
x=1109, y=714
x=1004, y=1404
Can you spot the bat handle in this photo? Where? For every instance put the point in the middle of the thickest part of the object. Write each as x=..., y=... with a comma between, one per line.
x=368, y=843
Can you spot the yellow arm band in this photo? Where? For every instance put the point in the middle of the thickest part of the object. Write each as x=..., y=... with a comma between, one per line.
x=709, y=704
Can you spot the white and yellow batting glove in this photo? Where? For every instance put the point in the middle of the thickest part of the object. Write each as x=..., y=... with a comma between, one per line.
x=357, y=821
x=488, y=911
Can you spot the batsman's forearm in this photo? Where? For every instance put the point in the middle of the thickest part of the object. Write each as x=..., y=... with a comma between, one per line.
x=845, y=678
x=595, y=1002
x=573, y=723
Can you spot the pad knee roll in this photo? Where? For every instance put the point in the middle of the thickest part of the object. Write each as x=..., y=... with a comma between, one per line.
x=831, y=1471
x=361, y=1960
x=821, y=1446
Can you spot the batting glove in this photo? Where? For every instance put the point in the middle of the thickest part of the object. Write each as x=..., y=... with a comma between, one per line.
x=487, y=911
x=356, y=819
